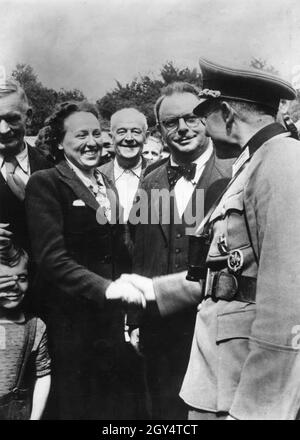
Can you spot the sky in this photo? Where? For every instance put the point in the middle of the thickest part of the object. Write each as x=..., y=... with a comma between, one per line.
x=89, y=44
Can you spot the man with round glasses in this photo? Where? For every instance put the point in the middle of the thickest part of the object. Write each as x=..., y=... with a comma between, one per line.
x=162, y=248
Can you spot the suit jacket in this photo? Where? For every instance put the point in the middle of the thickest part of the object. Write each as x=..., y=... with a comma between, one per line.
x=12, y=210
x=125, y=257
x=152, y=239
x=162, y=248
x=245, y=357
x=76, y=259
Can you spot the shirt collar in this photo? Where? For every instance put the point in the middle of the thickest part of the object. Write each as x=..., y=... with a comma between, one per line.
x=85, y=180
x=201, y=160
x=22, y=159
x=118, y=170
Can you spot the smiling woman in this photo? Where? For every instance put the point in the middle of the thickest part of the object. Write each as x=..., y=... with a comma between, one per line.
x=76, y=259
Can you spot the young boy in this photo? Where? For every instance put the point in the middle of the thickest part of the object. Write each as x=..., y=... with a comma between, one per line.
x=152, y=150
x=23, y=343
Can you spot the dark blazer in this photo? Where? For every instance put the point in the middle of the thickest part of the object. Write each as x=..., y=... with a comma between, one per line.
x=152, y=240
x=162, y=248
x=12, y=210
x=76, y=259
x=125, y=257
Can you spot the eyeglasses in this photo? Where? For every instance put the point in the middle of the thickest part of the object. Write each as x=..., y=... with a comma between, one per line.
x=172, y=124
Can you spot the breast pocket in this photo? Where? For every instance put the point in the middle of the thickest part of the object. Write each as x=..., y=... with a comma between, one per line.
x=229, y=222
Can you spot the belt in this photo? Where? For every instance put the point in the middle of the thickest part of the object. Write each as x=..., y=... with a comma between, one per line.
x=226, y=286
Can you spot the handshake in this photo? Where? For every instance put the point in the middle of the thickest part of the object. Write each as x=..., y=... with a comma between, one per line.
x=132, y=290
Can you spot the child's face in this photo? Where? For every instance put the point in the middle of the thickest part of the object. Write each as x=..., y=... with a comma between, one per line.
x=13, y=284
x=151, y=151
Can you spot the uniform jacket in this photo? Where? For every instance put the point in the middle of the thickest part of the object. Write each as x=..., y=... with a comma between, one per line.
x=12, y=210
x=76, y=258
x=162, y=248
x=245, y=356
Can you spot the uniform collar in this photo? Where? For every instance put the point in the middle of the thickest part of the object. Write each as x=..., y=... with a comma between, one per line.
x=256, y=141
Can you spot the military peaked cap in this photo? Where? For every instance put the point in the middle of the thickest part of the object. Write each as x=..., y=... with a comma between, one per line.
x=253, y=86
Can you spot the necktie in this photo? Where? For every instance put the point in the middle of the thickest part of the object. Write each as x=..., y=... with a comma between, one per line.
x=99, y=192
x=176, y=172
x=14, y=181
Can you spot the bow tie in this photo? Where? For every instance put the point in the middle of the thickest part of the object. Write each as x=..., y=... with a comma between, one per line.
x=176, y=172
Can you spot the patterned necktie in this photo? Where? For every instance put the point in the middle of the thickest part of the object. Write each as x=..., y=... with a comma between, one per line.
x=15, y=183
x=100, y=193
x=176, y=172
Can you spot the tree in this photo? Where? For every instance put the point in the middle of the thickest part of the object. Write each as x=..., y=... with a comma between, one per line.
x=41, y=98
x=143, y=91
x=171, y=73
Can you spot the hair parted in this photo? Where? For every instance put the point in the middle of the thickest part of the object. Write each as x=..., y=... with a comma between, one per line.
x=172, y=89
x=243, y=109
x=54, y=124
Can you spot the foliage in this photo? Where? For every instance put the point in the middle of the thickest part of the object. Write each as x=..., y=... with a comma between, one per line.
x=143, y=92
x=41, y=98
x=294, y=106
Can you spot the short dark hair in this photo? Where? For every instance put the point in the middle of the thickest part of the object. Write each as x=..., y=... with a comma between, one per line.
x=55, y=122
x=172, y=89
x=11, y=254
x=243, y=108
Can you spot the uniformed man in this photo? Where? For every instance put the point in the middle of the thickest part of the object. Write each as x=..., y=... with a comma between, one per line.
x=245, y=357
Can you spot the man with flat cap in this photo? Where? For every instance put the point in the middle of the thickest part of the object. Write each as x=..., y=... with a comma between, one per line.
x=245, y=356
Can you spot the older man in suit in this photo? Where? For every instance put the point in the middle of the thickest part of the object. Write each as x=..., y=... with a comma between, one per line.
x=193, y=175
x=18, y=160
x=245, y=356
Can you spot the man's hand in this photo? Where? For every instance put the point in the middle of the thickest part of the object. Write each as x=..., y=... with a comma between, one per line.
x=5, y=234
x=126, y=292
x=144, y=284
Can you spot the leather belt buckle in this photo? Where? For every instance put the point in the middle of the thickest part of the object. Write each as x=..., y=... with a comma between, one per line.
x=224, y=286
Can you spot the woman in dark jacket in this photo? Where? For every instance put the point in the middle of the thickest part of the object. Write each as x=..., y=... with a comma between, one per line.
x=72, y=210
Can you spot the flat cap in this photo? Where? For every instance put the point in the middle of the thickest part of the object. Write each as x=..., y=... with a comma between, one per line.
x=253, y=86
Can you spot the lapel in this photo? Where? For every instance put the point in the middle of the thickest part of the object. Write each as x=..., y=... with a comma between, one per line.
x=112, y=195
x=108, y=170
x=67, y=175
x=161, y=182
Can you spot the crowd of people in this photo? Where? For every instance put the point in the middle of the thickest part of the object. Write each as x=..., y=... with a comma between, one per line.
x=152, y=278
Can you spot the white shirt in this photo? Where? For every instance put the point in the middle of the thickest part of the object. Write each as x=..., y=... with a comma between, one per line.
x=127, y=182
x=184, y=188
x=23, y=168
